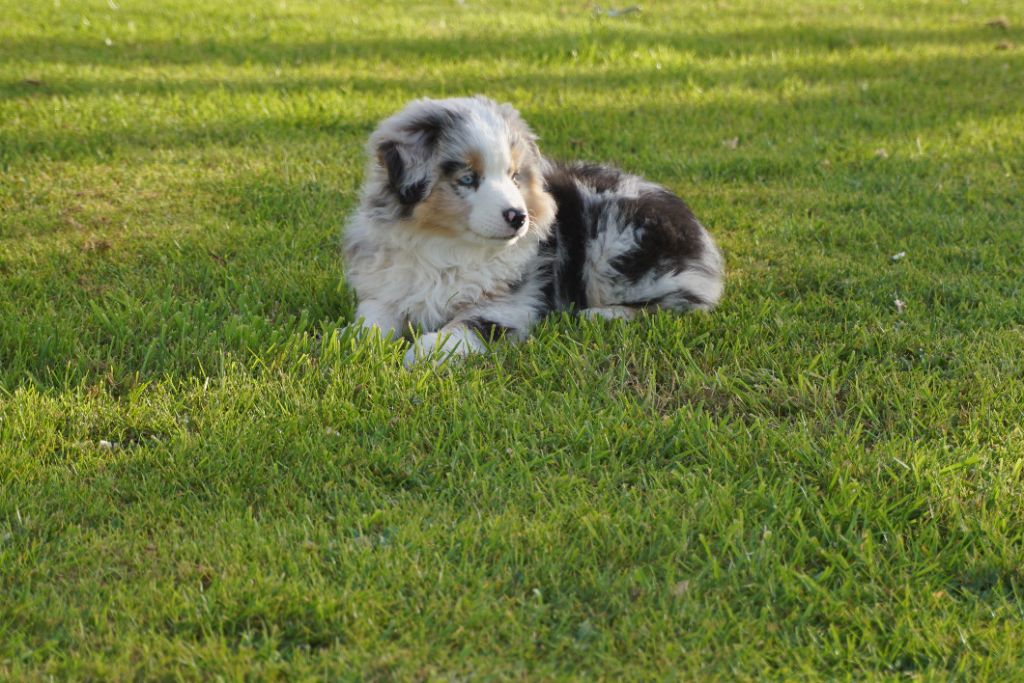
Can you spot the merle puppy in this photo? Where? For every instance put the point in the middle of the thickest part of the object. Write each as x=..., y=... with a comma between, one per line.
x=465, y=231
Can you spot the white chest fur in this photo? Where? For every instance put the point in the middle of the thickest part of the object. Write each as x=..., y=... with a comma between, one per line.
x=429, y=280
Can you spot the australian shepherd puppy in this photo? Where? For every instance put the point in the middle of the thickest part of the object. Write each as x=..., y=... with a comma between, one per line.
x=466, y=232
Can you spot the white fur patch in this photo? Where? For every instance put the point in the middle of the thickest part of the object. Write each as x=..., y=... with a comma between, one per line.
x=447, y=344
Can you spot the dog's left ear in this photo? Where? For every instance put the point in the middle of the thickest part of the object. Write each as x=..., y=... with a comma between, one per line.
x=404, y=147
x=400, y=162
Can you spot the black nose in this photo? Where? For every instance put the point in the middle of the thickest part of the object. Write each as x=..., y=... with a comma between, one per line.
x=515, y=217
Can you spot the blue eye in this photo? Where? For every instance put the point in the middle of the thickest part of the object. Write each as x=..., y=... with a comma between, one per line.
x=515, y=177
x=467, y=180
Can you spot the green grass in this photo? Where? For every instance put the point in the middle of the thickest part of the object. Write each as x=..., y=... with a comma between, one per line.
x=197, y=479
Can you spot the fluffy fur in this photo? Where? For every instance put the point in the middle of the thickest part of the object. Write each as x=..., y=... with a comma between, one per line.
x=466, y=232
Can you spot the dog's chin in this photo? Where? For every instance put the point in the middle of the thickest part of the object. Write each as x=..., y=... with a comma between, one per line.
x=491, y=240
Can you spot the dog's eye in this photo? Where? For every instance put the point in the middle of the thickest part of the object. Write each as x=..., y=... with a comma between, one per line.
x=467, y=180
x=515, y=177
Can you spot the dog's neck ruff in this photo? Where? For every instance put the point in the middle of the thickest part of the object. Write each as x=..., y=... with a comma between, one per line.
x=430, y=278
x=446, y=253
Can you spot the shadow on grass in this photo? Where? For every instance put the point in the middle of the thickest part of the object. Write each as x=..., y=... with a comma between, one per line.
x=914, y=77
x=553, y=45
x=849, y=97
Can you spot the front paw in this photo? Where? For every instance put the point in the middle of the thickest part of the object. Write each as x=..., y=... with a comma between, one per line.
x=437, y=347
x=431, y=346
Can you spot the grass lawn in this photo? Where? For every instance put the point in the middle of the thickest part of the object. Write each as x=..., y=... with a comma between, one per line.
x=198, y=479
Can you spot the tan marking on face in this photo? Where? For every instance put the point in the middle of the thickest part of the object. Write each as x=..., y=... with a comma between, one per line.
x=475, y=161
x=441, y=212
x=540, y=206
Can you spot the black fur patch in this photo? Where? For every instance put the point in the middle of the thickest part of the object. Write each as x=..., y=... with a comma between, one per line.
x=393, y=163
x=488, y=329
x=692, y=298
x=567, y=244
x=600, y=178
x=407, y=193
x=670, y=236
x=451, y=166
x=431, y=126
x=413, y=193
x=429, y=129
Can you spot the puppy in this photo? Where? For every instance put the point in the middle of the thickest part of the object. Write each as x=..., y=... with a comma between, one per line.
x=465, y=231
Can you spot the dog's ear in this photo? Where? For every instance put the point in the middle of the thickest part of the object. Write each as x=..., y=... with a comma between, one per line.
x=405, y=147
x=405, y=178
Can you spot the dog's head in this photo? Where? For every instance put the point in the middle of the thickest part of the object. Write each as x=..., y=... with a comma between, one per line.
x=466, y=168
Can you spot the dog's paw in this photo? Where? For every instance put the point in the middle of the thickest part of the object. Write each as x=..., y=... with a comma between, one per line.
x=438, y=347
x=433, y=346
